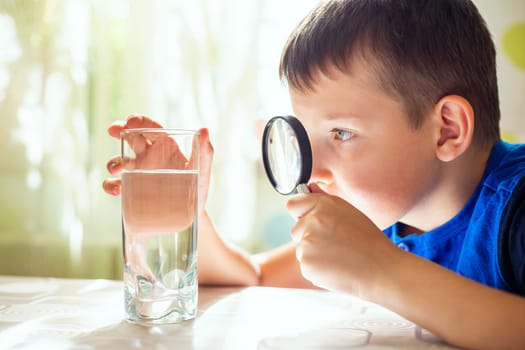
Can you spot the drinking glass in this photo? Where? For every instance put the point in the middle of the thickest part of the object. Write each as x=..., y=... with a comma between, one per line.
x=159, y=223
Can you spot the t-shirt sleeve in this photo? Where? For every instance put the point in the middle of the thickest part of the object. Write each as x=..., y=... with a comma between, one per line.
x=511, y=246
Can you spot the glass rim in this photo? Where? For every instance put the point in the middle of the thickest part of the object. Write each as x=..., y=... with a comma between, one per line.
x=171, y=131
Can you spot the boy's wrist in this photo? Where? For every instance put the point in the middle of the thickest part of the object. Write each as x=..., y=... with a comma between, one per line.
x=385, y=280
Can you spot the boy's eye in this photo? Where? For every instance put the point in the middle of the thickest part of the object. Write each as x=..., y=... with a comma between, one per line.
x=342, y=135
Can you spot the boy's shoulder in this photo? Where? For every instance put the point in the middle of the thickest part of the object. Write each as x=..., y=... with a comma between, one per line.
x=506, y=166
x=508, y=181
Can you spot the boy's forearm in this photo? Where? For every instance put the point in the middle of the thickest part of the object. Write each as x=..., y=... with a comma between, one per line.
x=221, y=263
x=226, y=265
x=280, y=268
x=462, y=312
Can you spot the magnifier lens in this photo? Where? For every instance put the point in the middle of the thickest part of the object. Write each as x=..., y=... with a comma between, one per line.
x=284, y=156
x=287, y=154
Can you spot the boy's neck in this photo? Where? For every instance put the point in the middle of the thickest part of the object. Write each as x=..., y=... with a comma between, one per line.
x=459, y=180
x=404, y=230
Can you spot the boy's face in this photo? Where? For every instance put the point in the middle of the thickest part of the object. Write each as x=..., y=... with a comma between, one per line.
x=364, y=150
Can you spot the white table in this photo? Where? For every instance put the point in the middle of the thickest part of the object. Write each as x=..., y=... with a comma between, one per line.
x=48, y=313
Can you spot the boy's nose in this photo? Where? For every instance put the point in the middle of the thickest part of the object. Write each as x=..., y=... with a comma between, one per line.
x=320, y=172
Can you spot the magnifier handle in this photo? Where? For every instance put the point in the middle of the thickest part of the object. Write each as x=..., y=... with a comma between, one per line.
x=302, y=188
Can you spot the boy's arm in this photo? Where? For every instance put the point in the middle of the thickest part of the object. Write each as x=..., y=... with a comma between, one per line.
x=223, y=264
x=279, y=268
x=465, y=312
x=341, y=249
x=220, y=263
x=461, y=311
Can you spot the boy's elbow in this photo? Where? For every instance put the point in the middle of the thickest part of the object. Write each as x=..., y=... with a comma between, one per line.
x=246, y=276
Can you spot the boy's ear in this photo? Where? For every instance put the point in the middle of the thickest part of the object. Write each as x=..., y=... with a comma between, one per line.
x=455, y=121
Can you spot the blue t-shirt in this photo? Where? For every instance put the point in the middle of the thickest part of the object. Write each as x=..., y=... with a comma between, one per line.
x=485, y=241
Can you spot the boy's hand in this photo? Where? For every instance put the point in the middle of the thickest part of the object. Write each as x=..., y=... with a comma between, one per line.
x=338, y=247
x=114, y=165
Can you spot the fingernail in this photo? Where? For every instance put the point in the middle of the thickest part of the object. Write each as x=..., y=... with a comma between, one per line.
x=115, y=191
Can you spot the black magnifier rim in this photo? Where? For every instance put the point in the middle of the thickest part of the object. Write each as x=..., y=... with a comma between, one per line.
x=304, y=148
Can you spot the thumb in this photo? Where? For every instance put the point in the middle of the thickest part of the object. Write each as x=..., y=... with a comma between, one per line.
x=314, y=188
x=205, y=159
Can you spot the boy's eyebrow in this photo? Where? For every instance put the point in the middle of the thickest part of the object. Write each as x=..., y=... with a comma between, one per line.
x=337, y=116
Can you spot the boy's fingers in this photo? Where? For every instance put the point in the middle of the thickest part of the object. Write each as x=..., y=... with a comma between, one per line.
x=112, y=186
x=139, y=143
x=297, y=231
x=132, y=122
x=165, y=147
x=114, y=165
x=115, y=128
x=314, y=188
x=301, y=204
x=205, y=153
x=141, y=121
x=205, y=162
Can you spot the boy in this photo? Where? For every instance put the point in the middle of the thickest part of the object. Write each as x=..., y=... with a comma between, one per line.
x=400, y=102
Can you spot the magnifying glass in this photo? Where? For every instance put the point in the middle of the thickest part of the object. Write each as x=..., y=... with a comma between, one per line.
x=287, y=155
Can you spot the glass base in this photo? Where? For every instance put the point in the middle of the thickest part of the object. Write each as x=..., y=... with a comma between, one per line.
x=169, y=306
x=161, y=312
x=164, y=320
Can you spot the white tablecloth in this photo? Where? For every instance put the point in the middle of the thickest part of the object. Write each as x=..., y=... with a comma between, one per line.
x=48, y=313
